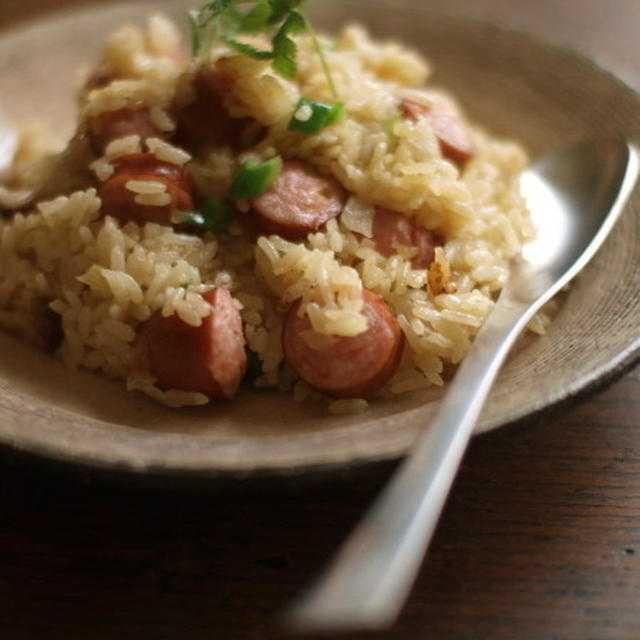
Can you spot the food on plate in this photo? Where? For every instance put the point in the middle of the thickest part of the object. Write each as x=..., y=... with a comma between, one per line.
x=144, y=189
x=209, y=358
x=275, y=209
x=354, y=366
x=299, y=201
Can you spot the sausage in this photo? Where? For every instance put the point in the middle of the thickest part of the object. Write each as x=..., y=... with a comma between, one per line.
x=120, y=202
x=346, y=367
x=209, y=359
x=453, y=135
x=110, y=125
x=392, y=230
x=299, y=202
x=205, y=122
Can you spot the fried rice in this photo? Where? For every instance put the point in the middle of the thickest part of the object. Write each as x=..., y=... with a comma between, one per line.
x=97, y=278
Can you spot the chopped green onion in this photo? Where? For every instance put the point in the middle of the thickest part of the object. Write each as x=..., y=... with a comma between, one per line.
x=254, y=178
x=184, y=285
x=388, y=125
x=311, y=116
x=212, y=215
x=196, y=35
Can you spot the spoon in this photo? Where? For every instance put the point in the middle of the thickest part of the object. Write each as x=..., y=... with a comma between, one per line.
x=575, y=196
x=8, y=145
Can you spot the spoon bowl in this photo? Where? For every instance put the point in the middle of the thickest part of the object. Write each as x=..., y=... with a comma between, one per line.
x=566, y=194
x=575, y=196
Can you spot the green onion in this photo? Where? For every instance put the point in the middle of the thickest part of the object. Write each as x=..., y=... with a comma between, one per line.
x=212, y=215
x=254, y=178
x=388, y=125
x=311, y=116
x=196, y=35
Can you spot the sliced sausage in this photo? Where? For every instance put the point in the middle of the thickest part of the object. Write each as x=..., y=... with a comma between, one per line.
x=452, y=133
x=392, y=230
x=210, y=359
x=120, y=201
x=205, y=122
x=346, y=367
x=300, y=201
x=111, y=125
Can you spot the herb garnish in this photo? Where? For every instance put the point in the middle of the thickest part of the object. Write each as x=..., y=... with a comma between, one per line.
x=225, y=20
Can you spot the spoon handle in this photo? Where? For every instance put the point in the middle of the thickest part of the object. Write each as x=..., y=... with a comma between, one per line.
x=369, y=579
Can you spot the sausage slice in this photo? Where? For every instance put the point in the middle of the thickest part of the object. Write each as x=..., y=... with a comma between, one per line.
x=299, y=202
x=452, y=133
x=205, y=122
x=392, y=230
x=121, y=202
x=209, y=359
x=111, y=125
x=346, y=367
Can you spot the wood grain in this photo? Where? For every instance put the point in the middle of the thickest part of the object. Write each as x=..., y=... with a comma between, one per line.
x=540, y=540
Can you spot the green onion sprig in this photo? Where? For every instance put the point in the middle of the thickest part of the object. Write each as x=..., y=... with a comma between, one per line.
x=225, y=20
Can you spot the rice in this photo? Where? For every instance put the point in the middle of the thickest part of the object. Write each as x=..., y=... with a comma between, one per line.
x=103, y=277
x=146, y=187
x=167, y=152
x=122, y=147
x=160, y=118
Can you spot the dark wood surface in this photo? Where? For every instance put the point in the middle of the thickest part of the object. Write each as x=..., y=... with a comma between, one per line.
x=540, y=539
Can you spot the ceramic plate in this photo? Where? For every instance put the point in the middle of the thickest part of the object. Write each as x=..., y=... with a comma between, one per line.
x=512, y=84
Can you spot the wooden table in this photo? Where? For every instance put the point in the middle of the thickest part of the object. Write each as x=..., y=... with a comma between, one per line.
x=540, y=538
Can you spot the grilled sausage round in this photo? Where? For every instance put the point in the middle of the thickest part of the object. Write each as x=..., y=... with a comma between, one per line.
x=453, y=135
x=127, y=205
x=205, y=122
x=346, y=367
x=392, y=230
x=210, y=359
x=299, y=202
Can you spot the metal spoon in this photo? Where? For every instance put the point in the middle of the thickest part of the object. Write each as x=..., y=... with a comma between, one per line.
x=8, y=144
x=575, y=196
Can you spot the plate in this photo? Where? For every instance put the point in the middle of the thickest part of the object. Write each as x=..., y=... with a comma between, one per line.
x=511, y=83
